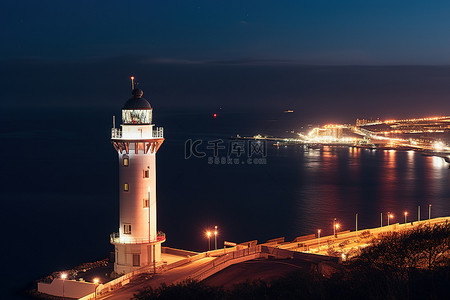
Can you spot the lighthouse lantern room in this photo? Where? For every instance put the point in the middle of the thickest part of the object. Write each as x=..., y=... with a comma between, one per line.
x=138, y=243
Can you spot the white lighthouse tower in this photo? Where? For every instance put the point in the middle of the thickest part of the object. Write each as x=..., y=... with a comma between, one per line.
x=138, y=243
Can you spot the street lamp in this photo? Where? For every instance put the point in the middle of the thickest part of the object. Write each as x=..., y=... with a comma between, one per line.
x=390, y=216
x=63, y=277
x=96, y=281
x=208, y=234
x=318, y=238
x=405, y=213
x=429, y=211
x=215, y=237
x=335, y=227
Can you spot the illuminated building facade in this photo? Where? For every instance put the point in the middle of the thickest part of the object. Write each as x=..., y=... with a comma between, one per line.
x=138, y=242
x=361, y=122
x=330, y=132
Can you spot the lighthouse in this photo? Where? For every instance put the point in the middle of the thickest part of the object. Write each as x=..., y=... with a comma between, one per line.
x=137, y=243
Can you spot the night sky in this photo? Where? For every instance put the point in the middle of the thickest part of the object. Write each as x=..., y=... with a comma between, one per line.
x=333, y=60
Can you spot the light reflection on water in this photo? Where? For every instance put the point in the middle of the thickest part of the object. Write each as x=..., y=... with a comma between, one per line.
x=340, y=182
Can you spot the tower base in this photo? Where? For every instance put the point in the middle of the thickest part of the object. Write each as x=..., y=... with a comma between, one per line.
x=129, y=257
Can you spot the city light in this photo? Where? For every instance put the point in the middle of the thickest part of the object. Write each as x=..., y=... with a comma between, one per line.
x=438, y=146
x=368, y=133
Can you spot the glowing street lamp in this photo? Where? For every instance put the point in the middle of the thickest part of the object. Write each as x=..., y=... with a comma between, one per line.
x=405, y=213
x=390, y=216
x=335, y=227
x=215, y=237
x=208, y=234
x=63, y=277
x=96, y=281
x=429, y=211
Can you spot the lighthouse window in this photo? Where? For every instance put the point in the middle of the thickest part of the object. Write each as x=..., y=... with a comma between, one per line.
x=146, y=173
x=126, y=228
x=125, y=161
x=145, y=203
x=126, y=187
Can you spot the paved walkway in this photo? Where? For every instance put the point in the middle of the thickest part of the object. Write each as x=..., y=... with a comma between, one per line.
x=348, y=242
x=146, y=280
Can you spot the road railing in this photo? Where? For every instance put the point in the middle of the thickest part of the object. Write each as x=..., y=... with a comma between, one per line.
x=226, y=260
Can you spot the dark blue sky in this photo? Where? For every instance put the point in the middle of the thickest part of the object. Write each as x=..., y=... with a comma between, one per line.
x=327, y=60
x=311, y=32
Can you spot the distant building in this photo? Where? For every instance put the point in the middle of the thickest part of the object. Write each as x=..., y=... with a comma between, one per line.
x=360, y=122
x=328, y=131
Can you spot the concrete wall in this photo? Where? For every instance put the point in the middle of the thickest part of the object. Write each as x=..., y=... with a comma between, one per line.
x=72, y=288
x=224, y=261
x=124, y=256
x=219, y=267
x=178, y=252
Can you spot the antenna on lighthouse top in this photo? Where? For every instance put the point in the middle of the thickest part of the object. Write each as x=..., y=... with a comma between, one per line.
x=132, y=83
